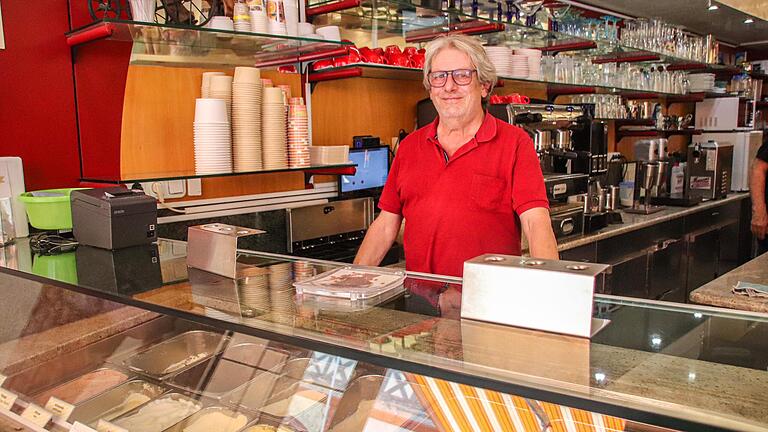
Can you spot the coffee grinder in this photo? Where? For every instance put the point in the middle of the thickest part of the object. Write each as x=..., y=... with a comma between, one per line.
x=651, y=175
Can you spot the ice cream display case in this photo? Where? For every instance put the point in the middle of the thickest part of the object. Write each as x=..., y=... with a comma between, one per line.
x=199, y=352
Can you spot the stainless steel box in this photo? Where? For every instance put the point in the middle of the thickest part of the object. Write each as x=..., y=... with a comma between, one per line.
x=549, y=295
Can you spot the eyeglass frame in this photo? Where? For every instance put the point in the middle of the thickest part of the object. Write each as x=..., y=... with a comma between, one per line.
x=453, y=77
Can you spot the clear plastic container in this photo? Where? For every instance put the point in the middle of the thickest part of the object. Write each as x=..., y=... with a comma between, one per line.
x=353, y=283
x=328, y=155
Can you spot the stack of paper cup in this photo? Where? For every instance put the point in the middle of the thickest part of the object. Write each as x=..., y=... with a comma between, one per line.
x=303, y=270
x=242, y=17
x=253, y=288
x=273, y=126
x=221, y=88
x=291, y=8
x=266, y=82
x=534, y=61
x=306, y=28
x=213, y=139
x=143, y=10
x=286, y=90
x=259, y=21
x=276, y=17
x=298, y=134
x=205, y=88
x=246, y=119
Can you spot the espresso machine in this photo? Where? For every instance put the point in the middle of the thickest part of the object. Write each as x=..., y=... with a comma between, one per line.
x=573, y=152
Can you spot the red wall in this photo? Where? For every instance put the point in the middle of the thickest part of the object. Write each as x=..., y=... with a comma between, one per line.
x=37, y=101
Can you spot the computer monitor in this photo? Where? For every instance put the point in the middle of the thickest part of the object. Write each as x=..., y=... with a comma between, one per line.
x=371, y=175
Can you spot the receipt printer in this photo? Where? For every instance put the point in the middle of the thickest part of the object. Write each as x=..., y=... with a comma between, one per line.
x=113, y=218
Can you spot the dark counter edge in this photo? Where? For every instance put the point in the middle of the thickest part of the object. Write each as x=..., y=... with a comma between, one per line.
x=620, y=229
x=391, y=362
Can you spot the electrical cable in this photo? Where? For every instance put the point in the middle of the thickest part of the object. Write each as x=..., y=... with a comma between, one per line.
x=47, y=243
x=161, y=199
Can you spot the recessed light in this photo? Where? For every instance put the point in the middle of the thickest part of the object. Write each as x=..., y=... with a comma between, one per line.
x=749, y=21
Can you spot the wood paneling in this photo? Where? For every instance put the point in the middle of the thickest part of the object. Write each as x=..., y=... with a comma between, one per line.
x=157, y=135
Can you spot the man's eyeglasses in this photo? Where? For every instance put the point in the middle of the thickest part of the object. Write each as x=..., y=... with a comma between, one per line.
x=461, y=77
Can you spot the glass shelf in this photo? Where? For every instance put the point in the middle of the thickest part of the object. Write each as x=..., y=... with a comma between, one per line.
x=180, y=41
x=419, y=24
x=180, y=175
x=372, y=70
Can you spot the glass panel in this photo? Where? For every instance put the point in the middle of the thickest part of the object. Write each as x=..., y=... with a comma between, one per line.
x=682, y=366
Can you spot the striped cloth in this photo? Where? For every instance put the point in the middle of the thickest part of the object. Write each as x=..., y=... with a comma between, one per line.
x=457, y=407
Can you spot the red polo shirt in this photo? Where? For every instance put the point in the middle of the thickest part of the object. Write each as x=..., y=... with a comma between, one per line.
x=468, y=206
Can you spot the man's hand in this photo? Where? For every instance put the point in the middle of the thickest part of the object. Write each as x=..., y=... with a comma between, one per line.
x=759, y=224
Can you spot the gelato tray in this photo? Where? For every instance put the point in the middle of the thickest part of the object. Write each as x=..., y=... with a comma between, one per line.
x=214, y=377
x=352, y=282
x=256, y=355
x=116, y=402
x=83, y=387
x=213, y=418
x=187, y=349
x=160, y=414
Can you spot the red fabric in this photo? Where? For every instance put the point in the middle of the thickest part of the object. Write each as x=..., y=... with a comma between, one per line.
x=469, y=206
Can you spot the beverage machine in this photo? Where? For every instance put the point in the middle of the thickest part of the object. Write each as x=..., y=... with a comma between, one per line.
x=573, y=152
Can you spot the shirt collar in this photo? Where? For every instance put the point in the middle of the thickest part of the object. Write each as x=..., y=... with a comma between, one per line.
x=486, y=132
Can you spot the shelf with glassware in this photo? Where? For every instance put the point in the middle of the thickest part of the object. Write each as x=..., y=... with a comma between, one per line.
x=560, y=24
x=624, y=133
x=168, y=41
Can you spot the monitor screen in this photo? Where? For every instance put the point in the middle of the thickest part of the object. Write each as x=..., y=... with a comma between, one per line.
x=372, y=169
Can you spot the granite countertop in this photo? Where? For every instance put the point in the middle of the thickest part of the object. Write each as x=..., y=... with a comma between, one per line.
x=718, y=292
x=633, y=222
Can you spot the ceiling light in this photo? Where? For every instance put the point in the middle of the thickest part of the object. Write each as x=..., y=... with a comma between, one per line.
x=749, y=21
x=711, y=6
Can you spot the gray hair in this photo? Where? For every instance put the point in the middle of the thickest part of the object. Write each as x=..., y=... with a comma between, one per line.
x=486, y=72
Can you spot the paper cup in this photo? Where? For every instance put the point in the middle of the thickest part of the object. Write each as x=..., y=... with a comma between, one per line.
x=211, y=111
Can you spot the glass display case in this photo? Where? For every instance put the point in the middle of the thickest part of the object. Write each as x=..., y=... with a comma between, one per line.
x=133, y=337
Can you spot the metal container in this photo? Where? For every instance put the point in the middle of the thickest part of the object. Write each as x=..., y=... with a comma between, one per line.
x=116, y=402
x=563, y=139
x=542, y=140
x=256, y=355
x=613, y=198
x=548, y=295
x=173, y=355
x=214, y=377
x=237, y=420
x=83, y=388
x=7, y=228
x=255, y=393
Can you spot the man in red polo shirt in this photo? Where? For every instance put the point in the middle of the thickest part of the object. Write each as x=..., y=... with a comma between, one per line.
x=465, y=184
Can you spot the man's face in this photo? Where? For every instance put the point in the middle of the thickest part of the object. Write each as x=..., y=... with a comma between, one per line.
x=453, y=100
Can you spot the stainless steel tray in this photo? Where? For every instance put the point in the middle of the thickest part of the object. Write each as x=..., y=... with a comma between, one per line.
x=214, y=377
x=257, y=355
x=185, y=350
x=114, y=403
x=80, y=389
x=255, y=393
x=357, y=402
x=238, y=421
x=149, y=410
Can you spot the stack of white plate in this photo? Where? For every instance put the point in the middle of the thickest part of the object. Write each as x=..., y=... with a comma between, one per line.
x=281, y=287
x=205, y=87
x=246, y=119
x=273, y=128
x=213, y=137
x=534, y=61
x=221, y=88
x=702, y=82
x=518, y=66
x=298, y=134
x=500, y=57
x=253, y=291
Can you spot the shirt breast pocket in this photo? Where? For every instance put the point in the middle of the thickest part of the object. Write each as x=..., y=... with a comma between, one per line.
x=491, y=194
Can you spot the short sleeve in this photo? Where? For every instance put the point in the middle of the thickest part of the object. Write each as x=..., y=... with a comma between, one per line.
x=390, y=197
x=527, y=179
x=762, y=152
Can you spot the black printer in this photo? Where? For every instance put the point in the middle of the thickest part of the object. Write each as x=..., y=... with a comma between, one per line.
x=113, y=218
